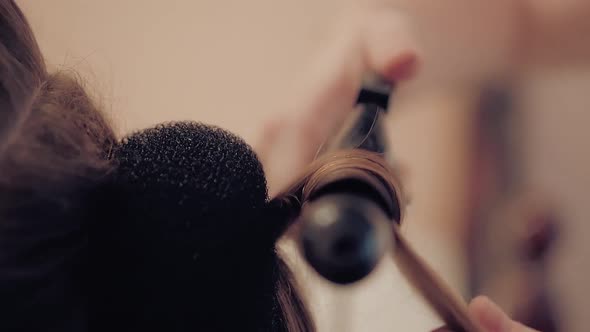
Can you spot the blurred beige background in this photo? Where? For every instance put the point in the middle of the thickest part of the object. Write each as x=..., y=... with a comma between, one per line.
x=228, y=63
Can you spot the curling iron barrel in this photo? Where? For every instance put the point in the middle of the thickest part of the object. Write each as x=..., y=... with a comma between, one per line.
x=346, y=220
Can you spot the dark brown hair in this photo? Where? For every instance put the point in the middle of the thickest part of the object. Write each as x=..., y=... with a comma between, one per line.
x=54, y=144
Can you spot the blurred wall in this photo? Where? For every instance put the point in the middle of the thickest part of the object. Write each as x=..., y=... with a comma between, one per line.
x=557, y=106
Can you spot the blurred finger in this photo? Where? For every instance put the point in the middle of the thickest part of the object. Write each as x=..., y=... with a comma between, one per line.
x=371, y=41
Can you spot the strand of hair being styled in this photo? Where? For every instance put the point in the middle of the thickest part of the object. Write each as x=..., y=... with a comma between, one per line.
x=373, y=167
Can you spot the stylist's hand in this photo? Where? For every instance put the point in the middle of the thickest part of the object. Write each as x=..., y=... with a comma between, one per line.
x=491, y=318
x=365, y=40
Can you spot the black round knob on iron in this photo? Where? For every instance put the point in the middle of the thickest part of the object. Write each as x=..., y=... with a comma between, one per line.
x=344, y=236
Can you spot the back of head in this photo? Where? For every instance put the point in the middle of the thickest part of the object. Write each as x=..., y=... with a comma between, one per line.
x=180, y=246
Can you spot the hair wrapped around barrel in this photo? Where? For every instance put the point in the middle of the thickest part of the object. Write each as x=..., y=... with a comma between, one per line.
x=373, y=168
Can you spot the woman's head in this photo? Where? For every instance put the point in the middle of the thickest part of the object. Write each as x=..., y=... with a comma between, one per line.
x=59, y=183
